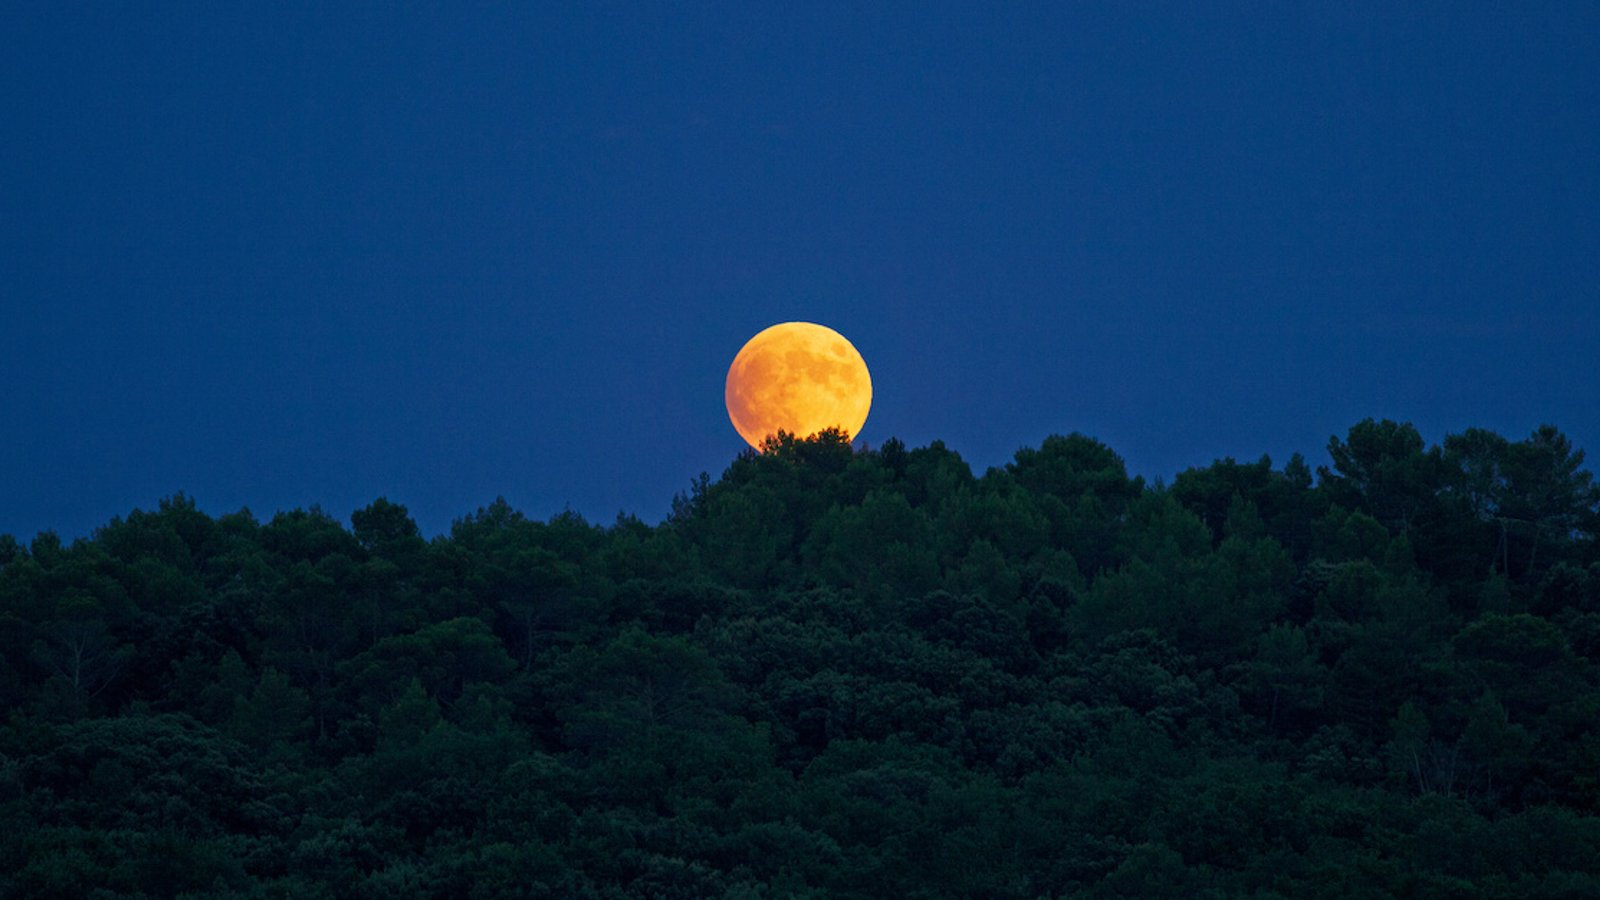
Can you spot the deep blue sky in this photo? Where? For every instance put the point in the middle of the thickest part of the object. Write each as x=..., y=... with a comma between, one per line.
x=277, y=254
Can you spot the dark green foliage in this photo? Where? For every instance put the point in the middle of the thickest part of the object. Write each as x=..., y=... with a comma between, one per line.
x=830, y=673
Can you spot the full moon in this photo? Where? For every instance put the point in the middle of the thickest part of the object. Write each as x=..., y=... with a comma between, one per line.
x=799, y=378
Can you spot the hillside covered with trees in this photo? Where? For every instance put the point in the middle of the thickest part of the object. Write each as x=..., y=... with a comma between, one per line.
x=834, y=673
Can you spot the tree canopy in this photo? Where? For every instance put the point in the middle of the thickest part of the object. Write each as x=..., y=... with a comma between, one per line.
x=834, y=672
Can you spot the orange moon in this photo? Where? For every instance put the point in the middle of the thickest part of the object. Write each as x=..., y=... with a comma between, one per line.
x=799, y=378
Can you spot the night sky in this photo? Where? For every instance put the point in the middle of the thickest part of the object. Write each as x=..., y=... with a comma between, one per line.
x=275, y=255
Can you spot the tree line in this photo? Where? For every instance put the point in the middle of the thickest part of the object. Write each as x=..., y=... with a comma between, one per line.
x=834, y=672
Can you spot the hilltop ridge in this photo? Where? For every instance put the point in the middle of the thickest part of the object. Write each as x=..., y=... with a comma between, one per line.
x=834, y=672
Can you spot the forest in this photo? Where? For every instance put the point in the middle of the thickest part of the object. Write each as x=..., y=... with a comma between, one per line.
x=834, y=672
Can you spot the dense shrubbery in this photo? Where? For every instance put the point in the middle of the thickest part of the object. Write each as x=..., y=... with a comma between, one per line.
x=834, y=673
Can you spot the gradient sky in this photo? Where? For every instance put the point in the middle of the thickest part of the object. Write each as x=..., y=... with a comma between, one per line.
x=278, y=254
